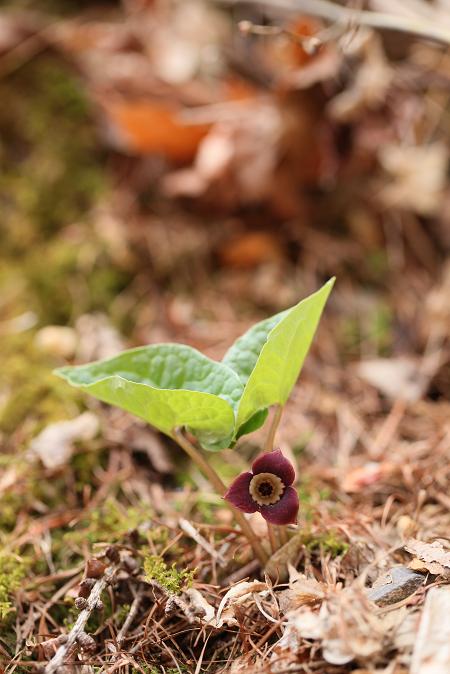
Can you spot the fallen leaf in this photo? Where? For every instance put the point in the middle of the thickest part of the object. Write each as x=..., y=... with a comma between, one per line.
x=229, y=165
x=345, y=625
x=431, y=557
x=302, y=591
x=250, y=250
x=237, y=595
x=357, y=479
x=371, y=83
x=146, y=440
x=199, y=606
x=59, y=340
x=417, y=176
x=153, y=127
x=278, y=563
x=431, y=653
x=55, y=444
x=396, y=378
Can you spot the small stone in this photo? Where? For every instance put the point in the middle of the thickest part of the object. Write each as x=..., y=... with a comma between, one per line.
x=397, y=584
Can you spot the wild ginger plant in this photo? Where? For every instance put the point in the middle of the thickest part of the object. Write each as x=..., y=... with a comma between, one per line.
x=186, y=395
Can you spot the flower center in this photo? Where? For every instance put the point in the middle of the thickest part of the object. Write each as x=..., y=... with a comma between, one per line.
x=266, y=488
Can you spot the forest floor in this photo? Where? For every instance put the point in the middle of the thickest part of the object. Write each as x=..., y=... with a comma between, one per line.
x=165, y=177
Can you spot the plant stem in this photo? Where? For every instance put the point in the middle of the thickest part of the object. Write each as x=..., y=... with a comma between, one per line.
x=272, y=538
x=273, y=428
x=282, y=533
x=219, y=486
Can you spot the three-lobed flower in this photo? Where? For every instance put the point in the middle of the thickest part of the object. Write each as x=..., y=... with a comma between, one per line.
x=267, y=489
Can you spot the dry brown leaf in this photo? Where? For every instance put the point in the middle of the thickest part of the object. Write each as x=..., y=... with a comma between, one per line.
x=146, y=440
x=370, y=85
x=54, y=445
x=345, y=625
x=431, y=567
x=238, y=594
x=250, y=250
x=302, y=591
x=153, y=127
x=277, y=565
x=395, y=377
x=358, y=479
x=432, y=646
x=417, y=176
x=229, y=165
x=432, y=557
x=199, y=605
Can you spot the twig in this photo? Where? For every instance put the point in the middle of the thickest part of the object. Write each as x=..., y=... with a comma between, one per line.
x=77, y=632
x=330, y=11
x=191, y=531
x=134, y=608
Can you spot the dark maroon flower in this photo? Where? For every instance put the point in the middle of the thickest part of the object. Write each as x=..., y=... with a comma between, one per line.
x=267, y=489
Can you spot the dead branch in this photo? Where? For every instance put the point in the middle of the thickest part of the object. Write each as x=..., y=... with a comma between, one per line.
x=134, y=608
x=346, y=16
x=191, y=531
x=77, y=635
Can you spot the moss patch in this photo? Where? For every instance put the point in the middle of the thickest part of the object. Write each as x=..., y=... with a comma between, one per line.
x=13, y=570
x=328, y=542
x=170, y=578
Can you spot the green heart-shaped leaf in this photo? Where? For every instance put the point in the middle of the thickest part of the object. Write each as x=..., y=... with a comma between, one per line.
x=167, y=385
x=270, y=356
x=172, y=385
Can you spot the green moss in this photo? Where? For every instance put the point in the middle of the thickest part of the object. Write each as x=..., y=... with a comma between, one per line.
x=32, y=391
x=158, y=535
x=50, y=173
x=11, y=504
x=108, y=523
x=13, y=569
x=169, y=577
x=373, y=329
x=328, y=542
x=310, y=495
x=51, y=176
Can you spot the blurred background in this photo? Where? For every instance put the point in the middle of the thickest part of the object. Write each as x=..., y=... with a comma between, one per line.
x=165, y=175
x=174, y=171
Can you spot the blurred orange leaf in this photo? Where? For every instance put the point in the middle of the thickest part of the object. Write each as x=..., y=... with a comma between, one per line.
x=154, y=127
x=250, y=249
